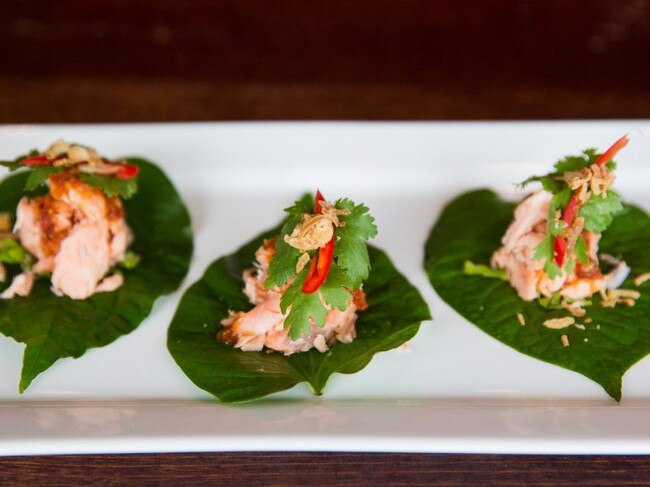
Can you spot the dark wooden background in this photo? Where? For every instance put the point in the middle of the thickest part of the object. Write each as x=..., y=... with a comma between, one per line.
x=147, y=60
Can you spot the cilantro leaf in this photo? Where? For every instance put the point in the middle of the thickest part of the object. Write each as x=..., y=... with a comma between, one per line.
x=14, y=165
x=11, y=165
x=350, y=248
x=283, y=264
x=573, y=163
x=335, y=288
x=550, y=182
x=303, y=205
x=358, y=222
x=111, y=186
x=599, y=211
x=38, y=176
x=530, y=179
x=553, y=181
x=545, y=250
x=558, y=202
x=554, y=227
x=353, y=256
x=570, y=265
x=301, y=308
x=580, y=250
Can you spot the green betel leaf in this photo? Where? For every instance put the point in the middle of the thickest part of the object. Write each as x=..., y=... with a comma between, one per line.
x=393, y=317
x=56, y=327
x=471, y=227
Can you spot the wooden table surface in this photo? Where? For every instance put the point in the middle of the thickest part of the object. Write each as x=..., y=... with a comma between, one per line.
x=145, y=60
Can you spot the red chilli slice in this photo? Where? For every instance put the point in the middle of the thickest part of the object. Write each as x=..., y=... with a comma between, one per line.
x=560, y=250
x=35, y=161
x=568, y=216
x=317, y=204
x=610, y=153
x=572, y=207
x=320, y=265
x=319, y=268
x=128, y=171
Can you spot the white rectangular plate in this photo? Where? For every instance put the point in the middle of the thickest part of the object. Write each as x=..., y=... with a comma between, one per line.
x=455, y=390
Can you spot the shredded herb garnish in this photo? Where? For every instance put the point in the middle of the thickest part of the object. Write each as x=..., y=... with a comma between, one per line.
x=349, y=268
x=472, y=269
x=39, y=174
x=597, y=211
x=130, y=260
x=11, y=252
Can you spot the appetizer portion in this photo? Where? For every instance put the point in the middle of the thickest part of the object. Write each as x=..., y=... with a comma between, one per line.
x=87, y=245
x=551, y=247
x=306, y=283
x=558, y=276
x=299, y=303
x=77, y=232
